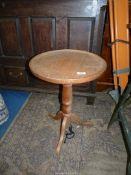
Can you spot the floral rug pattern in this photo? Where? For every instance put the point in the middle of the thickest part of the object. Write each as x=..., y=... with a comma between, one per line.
x=29, y=146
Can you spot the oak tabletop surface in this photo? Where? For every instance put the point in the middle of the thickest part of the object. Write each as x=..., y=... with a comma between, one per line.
x=67, y=66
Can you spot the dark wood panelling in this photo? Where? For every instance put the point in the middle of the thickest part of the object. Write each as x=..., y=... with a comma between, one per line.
x=106, y=80
x=10, y=36
x=2, y=76
x=61, y=32
x=16, y=75
x=38, y=26
x=7, y=61
x=98, y=32
x=80, y=33
x=59, y=8
x=26, y=36
x=43, y=34
x=1, y=50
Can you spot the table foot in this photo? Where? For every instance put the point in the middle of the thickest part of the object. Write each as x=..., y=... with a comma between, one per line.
x=76, y=119
x=62, y=134
x=58, y=116
x=66, y=121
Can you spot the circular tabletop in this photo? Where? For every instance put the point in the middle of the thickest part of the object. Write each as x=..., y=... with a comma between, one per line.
x=67, y=66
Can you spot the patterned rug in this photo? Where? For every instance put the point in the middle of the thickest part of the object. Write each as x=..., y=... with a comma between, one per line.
x=15, y=101
x=29, y=146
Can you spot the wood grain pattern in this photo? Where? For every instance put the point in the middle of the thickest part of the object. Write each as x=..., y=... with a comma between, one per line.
x=67, y=66
x=26, y=36
x=9, y=35
x=83, y=28
x=61, y=32
x=43, y=32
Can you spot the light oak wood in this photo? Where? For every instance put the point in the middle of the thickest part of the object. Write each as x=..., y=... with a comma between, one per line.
x=112, y=39
x=120, y=50
x=67, y=67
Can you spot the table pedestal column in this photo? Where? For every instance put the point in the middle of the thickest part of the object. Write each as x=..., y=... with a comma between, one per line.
x=66, y=112
x=66, y=115
x=67, y=99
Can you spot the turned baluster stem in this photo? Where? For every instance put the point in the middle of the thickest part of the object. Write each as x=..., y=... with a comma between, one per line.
x=67, y=99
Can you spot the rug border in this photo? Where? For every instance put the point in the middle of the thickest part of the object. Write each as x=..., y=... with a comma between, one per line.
x=13, y=121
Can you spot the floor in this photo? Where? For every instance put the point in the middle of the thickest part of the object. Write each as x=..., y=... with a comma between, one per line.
x=29, y=146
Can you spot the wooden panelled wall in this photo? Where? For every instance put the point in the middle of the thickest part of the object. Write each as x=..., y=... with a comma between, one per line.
x=30, y=27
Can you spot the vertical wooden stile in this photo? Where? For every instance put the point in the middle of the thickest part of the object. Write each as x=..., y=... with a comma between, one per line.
x=121, y=32
x=111, y=12
x=119, y=18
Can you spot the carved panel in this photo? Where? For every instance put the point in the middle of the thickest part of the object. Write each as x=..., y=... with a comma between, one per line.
x=10, y=37
x=43, y=34
x=61, y=33
x=26, y=36
x=80, y=33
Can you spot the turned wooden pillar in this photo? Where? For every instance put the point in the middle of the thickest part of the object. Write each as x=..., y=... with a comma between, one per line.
x=67, y=99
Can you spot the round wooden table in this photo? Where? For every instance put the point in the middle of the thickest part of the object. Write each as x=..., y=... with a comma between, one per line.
x=67, y=67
